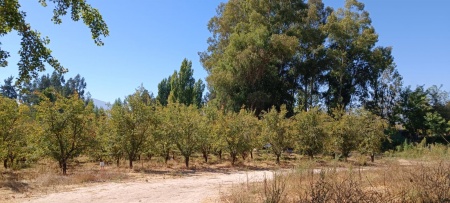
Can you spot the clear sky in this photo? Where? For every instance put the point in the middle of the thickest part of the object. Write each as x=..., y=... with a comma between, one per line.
x=149, y=39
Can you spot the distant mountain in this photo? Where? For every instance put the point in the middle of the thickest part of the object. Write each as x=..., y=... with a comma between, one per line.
x=100, y=104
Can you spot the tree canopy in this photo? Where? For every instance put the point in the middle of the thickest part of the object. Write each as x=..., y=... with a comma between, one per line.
x=34, y=52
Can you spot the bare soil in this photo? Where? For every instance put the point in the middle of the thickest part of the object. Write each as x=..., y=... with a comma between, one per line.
x=186, y=187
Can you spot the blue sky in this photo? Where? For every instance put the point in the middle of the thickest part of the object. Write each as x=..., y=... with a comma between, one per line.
x=149, y=39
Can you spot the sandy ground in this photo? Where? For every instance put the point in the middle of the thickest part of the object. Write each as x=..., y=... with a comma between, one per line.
x=201, y=187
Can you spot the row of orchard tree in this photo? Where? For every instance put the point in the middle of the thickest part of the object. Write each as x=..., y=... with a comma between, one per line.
x=138, y=128
x=66, y=127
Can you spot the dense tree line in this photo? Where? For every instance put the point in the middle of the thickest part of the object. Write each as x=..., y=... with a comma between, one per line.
x=299, y=54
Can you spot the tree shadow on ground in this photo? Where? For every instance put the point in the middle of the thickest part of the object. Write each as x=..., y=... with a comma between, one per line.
x=11, y=180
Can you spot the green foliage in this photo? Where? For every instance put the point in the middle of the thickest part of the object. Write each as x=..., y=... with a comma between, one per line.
x=34, y=52
x=133, y=123
x=185, y=125
x=67, y=126
x=412, y=110
x=277, y=131
x=181, y=87
x=311, y=131
x=15, y=128
x=373, y=133
x=269, y=53
x=8, y=89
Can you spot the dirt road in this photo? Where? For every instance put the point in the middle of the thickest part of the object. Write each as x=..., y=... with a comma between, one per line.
x=201, y=187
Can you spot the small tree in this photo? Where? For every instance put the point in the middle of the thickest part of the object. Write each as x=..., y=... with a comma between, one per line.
x=67, y=126
x=372, y=134
x=184, y=124
x=344, y=133
x=133, y=121
x=277, y=131
x=15, y=125
x=310, y=131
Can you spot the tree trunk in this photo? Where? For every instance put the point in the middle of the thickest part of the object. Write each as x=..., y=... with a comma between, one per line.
x=186, y=161
x=11, y=161
x=251, y=154
x=118, y=162
x=205, y=155
x=131, y=163
x=220, y=154
x=311, y=155
x=278, y=158
x=64, y=167
x=233, y=158
x=167, y=157
x=372, y=157
x=5, y=163
x=244, y=155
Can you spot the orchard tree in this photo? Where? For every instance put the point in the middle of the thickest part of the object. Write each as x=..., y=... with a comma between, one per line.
x=344, y=133
x=164, y=142
x=277, y=131
x=208, y=138
x=133, y=122
x=310, y=129
x=373, y=133
x=67, y=126
x=185, y=124
x=15, y=127
x=34, y=52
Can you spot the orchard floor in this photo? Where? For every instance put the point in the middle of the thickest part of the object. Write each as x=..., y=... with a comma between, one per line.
x=193, y=187
x=153, y=186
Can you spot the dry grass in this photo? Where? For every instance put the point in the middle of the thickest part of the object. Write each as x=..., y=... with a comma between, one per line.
x=393, y=182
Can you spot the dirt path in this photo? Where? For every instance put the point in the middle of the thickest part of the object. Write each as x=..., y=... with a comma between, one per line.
x=202, y=187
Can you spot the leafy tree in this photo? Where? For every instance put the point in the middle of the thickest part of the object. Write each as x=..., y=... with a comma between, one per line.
x=373, y=133
x=100, y=149
x=437, y=126
x=133, y=122
x=181, y=87
x=115, y=139
x=412, y=109
x=164, y=91
x=164, y=142
x=67, y=126
x=276, y=131
x=185, y=124
x=208, y=136
x=250, y=51
x=439, y=101
x=385, y=95
x=34, y=51
x=240, y=133
x=58, y=83
x=344, y=133
x=232, y=131
x=310, y=63
x=310, y=131
x=15, y=126
x=355, y=62
x=8, y=89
